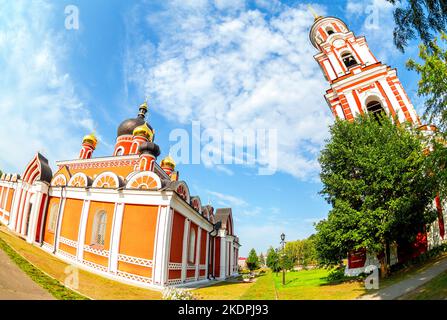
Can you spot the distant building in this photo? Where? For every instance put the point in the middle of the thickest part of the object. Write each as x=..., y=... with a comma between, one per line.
x=242, y=262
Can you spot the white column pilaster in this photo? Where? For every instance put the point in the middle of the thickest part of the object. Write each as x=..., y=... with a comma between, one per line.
x=223, y=257
x=82, y=230
x=34, y=217
x=198, y=241
x=207, y=255
x=59, y=223
x=161, y=250
x=185, y=249
x=116, y=236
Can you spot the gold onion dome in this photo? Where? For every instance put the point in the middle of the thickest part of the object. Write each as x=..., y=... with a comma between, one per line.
x=90, y=139
x=144, y=131
x=168, y=162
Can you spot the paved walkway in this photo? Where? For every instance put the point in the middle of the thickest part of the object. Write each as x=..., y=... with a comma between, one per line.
x=16, y=285
x=406, y=286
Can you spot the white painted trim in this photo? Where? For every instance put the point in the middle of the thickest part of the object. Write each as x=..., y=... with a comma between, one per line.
x=93, y=160
x=31, y=237
x=170, y=220
x=199, y=246
x=115, y=237
x=223, y=257
x=142, y=174
x=82, y=229
x=59, y=223
x=207, y=254
x=185, y=248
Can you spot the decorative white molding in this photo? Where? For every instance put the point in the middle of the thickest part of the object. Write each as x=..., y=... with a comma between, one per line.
x=68, y=242
x=95, y=266
x=134, y=277
x=175, y=266
x=98, y=252
x=135, y=260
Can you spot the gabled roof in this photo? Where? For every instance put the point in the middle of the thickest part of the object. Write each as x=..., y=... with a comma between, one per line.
x=38, y=169
x=225, y=216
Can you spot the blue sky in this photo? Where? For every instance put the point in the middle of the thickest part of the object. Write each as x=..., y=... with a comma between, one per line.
x=225, y=63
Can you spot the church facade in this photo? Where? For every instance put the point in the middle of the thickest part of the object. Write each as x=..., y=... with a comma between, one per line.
x=125, y=216
x=359, y=84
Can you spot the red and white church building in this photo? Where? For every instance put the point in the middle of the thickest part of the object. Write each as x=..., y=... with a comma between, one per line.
x=359, y=84
x=124, y=216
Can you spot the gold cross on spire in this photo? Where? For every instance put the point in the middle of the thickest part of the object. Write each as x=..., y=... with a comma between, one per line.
x=316, y=16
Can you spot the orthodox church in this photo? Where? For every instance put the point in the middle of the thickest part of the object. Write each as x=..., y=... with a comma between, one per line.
x=359, y=83
x=124, y=216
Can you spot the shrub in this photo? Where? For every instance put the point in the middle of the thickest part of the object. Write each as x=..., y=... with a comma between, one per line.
x=178, y=294
x=336, y=275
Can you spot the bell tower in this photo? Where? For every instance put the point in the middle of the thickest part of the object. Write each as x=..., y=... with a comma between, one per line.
x=359, y=83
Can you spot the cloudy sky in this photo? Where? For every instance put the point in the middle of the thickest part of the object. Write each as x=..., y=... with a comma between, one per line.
x=227, y=65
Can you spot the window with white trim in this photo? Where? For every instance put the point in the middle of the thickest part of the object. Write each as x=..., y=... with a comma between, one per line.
x=99, y=228
x=119, y=151
x=192, y=245
x=52, y=219
x=349, y=60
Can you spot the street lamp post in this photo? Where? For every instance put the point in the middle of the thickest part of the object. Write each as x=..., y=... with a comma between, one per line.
x=283, y=237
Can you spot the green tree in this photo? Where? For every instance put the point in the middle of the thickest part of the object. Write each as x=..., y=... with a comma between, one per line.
x=374, y=176
x=261, y=260
x=252, y=260
x=418, y=18
x=286, y=260
x=272, y=260
x=433, y=82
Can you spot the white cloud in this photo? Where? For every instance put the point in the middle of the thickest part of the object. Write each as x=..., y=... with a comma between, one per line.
x=240, y=69
x=376, y=16
x=228, y=200
x=39, y=108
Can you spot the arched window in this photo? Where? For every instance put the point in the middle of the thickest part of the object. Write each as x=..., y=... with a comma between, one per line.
x=375, y=108
x=99, y=228
x=330, y=31
x=52, y=219
x=192, y=245
x=348, y=59
x=119, y=151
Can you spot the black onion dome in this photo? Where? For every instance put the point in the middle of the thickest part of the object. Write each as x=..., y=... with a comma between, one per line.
x=149, y=148
x=127, y=126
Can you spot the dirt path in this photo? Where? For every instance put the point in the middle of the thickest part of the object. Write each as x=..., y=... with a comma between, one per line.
x=406, y=286
x=16, y=285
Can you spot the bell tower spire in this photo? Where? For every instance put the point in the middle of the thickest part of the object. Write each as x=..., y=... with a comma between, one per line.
x=359, y=83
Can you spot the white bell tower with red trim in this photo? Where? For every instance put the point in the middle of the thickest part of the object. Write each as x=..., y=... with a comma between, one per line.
x=359, y=82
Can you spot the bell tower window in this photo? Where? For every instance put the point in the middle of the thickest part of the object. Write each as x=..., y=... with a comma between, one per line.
x=330, y=31
x=375, y=108
x=349, y=60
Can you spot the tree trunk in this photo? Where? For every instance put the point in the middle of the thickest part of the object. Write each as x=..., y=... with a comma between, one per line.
x=385, y=261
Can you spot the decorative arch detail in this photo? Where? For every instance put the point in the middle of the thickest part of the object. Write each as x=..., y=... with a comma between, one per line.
x=107, y=180
x=183, y=191
x=79, y=179
x=59, y=180
x=146, y=180
x=37, y=169
x=206, y=212
x=196, y=204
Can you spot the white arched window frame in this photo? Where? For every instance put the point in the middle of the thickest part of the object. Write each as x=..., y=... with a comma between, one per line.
x=330, y=30
x=52, y=219
x=349, y=59
x=192, y=245
x=99, y=228
x=119, y=151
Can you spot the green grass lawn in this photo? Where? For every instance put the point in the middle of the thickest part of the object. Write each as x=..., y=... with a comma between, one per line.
x=300, y=285
x=435, y=289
